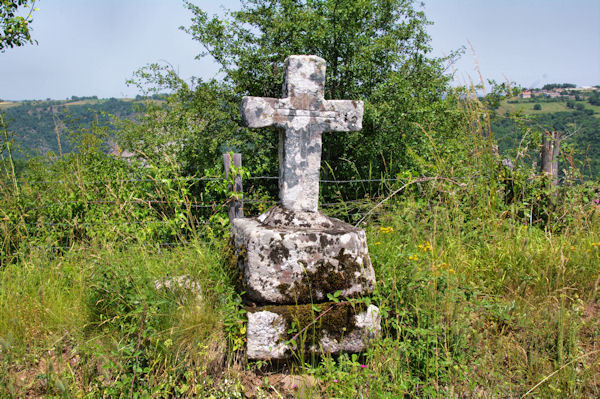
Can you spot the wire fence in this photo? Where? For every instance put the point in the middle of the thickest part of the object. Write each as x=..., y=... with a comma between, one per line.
x=68, y=248
x=73, y=225
x=188, y=179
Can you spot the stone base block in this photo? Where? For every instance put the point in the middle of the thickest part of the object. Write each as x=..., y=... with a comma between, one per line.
x=290, y=257
x=275, y=332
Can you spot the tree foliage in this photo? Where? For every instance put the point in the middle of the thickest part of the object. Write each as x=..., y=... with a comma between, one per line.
x=376, y=51
x=15, y=29
x=551, y=86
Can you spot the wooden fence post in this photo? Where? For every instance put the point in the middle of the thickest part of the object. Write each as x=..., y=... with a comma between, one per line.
x=236, y=205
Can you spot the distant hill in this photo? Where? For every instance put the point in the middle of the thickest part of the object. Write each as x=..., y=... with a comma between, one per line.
x=568, y=111
x=35, y=123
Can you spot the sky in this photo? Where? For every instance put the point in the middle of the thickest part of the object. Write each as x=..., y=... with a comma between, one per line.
x=91, y=47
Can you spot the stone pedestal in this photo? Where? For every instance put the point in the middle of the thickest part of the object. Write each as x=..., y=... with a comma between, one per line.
x=290, y=261
x=275, y=331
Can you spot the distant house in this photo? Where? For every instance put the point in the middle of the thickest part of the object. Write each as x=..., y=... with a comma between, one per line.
x=525, y=94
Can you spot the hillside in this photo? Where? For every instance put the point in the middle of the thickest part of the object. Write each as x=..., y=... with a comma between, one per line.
x=576, y=115
x=35, y=123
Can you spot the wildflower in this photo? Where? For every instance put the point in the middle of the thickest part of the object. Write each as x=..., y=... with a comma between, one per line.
x=335, y=380
x=413, y=257
x=597, y=201
x=362, y=366
x=294, y=386
x=425, y=247
x=572, y=248
x=378, y=243
x=386, y=230
x=451, y=271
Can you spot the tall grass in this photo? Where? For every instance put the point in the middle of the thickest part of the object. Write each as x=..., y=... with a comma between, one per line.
x=471, y=306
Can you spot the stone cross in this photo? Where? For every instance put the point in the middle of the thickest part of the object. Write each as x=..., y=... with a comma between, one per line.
x=302, y=115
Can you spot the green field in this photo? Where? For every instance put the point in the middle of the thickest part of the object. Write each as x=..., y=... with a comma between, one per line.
x=7, y=104
x=547, y=107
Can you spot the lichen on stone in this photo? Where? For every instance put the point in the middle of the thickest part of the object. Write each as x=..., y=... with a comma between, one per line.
x=339, y=320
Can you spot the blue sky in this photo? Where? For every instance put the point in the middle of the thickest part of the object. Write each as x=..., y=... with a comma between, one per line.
x=91, y=47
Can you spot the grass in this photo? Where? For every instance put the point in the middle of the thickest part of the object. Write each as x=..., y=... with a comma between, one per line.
x=473, y=304
x=83, y=315
x=486, y=289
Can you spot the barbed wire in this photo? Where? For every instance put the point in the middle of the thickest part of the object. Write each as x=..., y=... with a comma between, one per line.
x=190, y=204
x=103, y=223
x=135, y=180
x=193, y=204
x=55, y=247
x=359, y=181
x=189, y=179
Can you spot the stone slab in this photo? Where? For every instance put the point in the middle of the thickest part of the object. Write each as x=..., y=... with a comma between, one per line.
x=272, y=331
x=290, y=257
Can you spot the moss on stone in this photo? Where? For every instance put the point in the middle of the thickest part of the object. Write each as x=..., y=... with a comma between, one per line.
x=338, y=322
x=326, y=279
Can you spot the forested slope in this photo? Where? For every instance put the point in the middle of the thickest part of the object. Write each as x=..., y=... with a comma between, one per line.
x=34, y=124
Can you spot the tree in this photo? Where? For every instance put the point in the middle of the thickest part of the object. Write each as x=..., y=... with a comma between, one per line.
x=594, y=98
x=537, y=107
x=15, y=29
x=376, y=51
x=551, y=86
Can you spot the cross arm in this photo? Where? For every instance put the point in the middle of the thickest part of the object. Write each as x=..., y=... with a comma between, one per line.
x=349, y=115
x=258, y=111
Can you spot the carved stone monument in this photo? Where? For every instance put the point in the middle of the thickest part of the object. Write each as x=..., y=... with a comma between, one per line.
x=293, y=258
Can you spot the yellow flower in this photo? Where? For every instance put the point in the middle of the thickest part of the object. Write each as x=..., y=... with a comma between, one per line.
x=572, y=248
x=425, y=247
x=413, y=257
x=378, y=243
x=386, y=230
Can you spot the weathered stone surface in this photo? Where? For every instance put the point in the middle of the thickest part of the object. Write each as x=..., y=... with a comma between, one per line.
x=335, y=327
x=280, y=217
x=184, y=283
x=303, y=115
x=297, y=257
x=263, y=335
